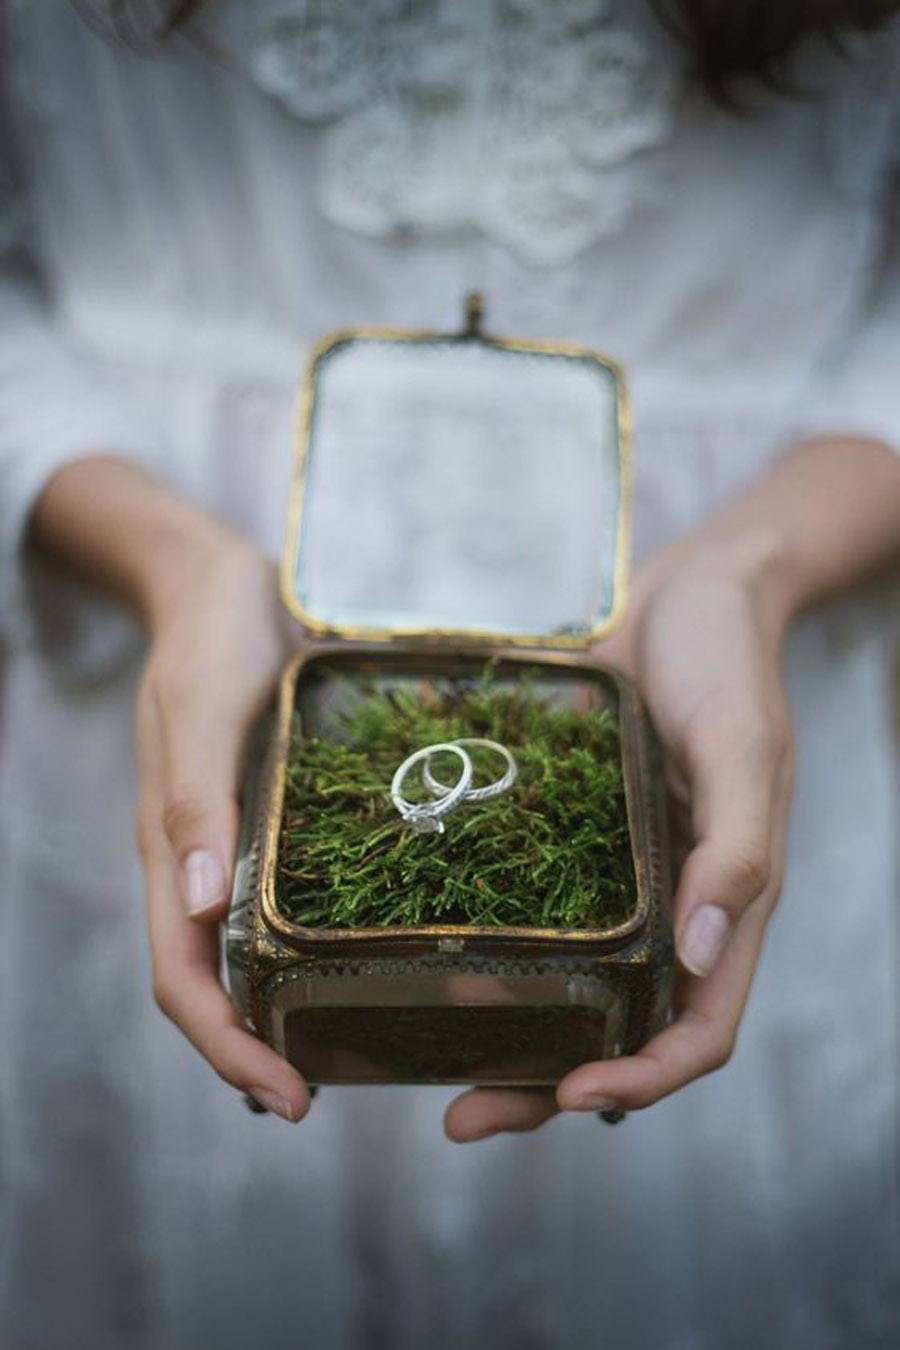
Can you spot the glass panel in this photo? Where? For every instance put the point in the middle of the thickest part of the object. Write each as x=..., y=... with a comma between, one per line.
x=429, y=1026
x=459, y=485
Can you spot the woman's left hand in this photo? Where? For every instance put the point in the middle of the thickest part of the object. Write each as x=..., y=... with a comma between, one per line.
x=703, y=644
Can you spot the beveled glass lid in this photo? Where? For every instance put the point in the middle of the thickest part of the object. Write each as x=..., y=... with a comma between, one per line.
x=459, y=486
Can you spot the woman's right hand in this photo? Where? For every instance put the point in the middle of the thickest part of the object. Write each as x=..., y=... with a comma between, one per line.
x=219, y=640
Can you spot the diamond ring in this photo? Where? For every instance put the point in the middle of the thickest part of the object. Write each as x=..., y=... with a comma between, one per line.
x=427, y=817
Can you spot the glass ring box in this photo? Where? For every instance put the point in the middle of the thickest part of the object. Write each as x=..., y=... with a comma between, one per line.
x=458, y=541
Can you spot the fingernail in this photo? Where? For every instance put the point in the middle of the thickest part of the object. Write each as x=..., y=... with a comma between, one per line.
x=272, y=1102
x=204, y=879
x=704, y=938
x=589, y=1102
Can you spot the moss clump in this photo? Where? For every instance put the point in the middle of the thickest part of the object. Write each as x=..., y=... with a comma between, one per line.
x=553, y=851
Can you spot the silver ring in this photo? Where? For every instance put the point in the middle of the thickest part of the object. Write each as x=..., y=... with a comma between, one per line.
x=425, y=817
x=482, y=794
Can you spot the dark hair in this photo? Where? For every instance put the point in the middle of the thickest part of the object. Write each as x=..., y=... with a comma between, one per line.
x=140, y=24
x=729, y=39
x=735, y=39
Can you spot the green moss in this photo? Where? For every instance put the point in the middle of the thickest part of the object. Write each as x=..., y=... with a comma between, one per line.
x=553, y=851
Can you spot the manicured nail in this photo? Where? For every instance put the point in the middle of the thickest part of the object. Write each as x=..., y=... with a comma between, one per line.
x=272, y=1102
x=704, y=938
x=204, y=880
x=588, y=1101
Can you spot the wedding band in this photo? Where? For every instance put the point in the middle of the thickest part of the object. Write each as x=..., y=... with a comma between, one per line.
x=481, y=794
x=426, y=817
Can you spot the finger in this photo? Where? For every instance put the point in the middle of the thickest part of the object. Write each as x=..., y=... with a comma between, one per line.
x=709, y=1012
x=185, y=958
x=700, y=1041
x=203, y=745
x=617, y=650
x=737, y=783
x=188, y=991
x=481, y=1112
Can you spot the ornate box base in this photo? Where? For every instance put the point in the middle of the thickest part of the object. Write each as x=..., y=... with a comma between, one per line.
x=448, y=1003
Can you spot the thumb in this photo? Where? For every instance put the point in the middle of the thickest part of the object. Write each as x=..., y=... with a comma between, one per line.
x=203, y=754
x=735, y=786
x=617, y=650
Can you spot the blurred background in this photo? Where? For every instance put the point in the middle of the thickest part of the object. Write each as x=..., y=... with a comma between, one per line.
x=192, y=197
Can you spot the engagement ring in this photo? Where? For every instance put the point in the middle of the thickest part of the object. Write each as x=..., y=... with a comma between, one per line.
x=427, y=817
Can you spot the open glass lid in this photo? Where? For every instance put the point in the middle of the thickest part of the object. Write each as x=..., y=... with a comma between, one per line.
x=459, y=485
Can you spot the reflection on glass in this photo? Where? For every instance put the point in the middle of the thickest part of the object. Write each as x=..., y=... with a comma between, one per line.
x=473, y=487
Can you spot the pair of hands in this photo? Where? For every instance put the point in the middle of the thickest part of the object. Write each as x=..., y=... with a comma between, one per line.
x=702, y=643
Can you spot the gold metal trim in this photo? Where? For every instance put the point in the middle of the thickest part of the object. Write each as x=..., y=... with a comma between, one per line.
x=472, y=333
x=473, y=936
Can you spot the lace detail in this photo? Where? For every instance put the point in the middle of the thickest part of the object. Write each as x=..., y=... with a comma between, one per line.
x=527, y=119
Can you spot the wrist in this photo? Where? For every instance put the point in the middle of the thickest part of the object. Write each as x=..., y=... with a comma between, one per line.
x=186, y=554
x=759, y=557
x=824, y=517
x=749, y=556
x=117, y=526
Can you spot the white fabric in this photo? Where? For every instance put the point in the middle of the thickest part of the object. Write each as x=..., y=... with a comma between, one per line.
x=55, y=407
x=527, y=120
x=195, y=235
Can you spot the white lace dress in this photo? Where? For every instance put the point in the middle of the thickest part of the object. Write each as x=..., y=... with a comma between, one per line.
x=198, y=218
